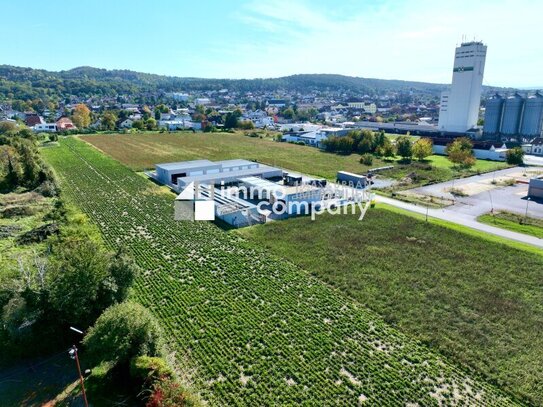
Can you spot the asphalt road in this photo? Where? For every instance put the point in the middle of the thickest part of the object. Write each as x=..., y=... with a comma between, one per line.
x=464, y=220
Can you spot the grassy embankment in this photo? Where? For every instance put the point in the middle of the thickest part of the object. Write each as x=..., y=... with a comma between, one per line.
x=514, y=222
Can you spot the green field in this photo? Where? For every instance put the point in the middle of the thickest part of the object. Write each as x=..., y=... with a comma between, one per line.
x=249, y=327
x=142, y=151
x=476, y=301
x=514, y=222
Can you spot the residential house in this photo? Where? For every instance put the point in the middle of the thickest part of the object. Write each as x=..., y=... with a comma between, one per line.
x=536, y=147
x=45, y=127
x=65, y=124
x=32, y=119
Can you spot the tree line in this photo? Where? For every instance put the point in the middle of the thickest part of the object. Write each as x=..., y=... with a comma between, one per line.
x=74, y=280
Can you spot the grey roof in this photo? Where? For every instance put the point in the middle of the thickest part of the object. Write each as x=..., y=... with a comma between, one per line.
x=234, y=163
x=186, y=164
x=231, y=176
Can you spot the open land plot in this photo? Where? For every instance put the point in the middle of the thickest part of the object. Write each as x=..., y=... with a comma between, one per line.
x=142, y=151
x=254, y=328
x=498, y=190
x=475, y=300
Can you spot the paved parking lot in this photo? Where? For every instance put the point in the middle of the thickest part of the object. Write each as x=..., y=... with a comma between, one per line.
x=488, y=191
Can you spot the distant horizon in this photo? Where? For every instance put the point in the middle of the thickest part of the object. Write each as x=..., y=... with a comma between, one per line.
x=523, y=88
x=246, y=39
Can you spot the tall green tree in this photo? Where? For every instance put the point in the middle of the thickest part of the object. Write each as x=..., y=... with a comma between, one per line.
x=109, y=121
x=404, y=147
x=423, y=148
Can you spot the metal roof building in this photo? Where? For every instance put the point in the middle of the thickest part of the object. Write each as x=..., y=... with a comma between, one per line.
x=179, y=174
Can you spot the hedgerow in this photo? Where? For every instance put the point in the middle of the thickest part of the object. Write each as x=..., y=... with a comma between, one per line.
x=255, y=329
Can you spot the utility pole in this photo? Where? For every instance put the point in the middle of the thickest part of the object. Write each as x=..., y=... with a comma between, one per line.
x=73, y=355
x=426, y=211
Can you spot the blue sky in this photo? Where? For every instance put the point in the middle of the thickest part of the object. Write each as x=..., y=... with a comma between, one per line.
x=389, y=39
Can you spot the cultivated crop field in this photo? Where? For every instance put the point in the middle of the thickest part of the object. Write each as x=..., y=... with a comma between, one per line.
x=253, y=329
x=477, y=301
x=142, y=151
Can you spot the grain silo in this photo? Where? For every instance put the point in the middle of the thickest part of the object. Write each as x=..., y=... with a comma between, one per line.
x=532, y=116
x=512, y=115
x=493, y=115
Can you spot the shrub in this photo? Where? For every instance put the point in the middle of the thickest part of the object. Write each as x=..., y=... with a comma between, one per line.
x=166, y=393
x=122, y=332
x=13, y=211
x=366, y=159
x=515, y=156
x=47, y=189
x=148, y=368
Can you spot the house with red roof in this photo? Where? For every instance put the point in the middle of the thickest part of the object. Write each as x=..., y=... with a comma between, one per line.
x=65, y=124
x=32, y=119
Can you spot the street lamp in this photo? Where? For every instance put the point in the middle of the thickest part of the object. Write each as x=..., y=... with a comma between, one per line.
x=73, y=354
x=526, y=214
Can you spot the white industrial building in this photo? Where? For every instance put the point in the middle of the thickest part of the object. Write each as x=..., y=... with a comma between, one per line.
x=459, y=108
x=245, y=192
x=178, y=175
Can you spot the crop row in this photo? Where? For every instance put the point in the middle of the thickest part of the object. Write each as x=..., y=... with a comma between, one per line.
x=255, y=328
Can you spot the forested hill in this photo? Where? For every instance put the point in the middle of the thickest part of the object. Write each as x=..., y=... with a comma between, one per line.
x=27, y=83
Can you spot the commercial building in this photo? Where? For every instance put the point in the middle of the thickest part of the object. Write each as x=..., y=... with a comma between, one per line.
x=243, y=192
x=459, y=108
x=514, y=116
x=180, y=174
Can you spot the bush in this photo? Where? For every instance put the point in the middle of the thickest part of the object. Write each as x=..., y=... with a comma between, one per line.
x=47, y=189
x=13, y=211
x=515, y=156
x=366, y=159
x=148, y=368
x=122, y=332
x=245, y=125
x=167, y=393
